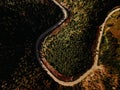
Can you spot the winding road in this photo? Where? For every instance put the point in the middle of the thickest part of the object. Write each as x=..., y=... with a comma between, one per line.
x=46, y=65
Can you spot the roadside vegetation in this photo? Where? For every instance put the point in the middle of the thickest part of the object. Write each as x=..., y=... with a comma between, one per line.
x=110, y=46
x=28, y=74
x=21, y=23
x=69, y=51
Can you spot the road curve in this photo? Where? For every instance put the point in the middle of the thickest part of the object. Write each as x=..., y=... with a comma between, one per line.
x=96, y=51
